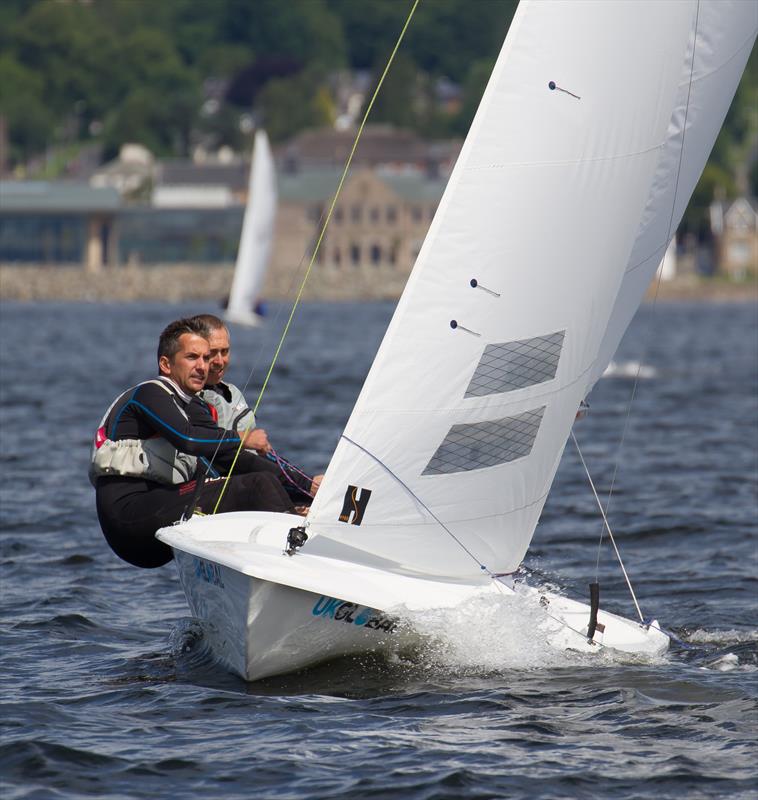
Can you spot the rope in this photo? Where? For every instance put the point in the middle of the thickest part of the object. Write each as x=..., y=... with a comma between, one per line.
x=494, y=576
x=285, y=468
x=319, y=240
x=608, y=527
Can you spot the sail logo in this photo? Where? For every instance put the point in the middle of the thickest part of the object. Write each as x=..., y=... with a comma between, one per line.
x=354, y=505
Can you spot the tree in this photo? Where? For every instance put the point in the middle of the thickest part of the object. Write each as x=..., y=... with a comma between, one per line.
x=30, y=123
x=289, y=105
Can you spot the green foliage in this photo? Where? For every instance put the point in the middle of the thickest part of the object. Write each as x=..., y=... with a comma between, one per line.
x=289, y=105
x=398, y=100
x=30, y=123
x=714, y=181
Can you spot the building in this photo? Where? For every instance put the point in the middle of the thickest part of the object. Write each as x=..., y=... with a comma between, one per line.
x=58, y=223
x=734, y=226
x=374, y=234
x=381, y=147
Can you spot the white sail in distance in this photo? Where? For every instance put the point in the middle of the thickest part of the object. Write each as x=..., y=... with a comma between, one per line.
x=447, y=459
x=257, y=235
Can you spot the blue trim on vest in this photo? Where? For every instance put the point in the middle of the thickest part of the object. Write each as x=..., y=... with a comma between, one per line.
x=234, y=440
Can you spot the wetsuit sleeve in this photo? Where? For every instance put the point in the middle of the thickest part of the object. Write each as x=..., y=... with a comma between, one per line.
x=193, y=431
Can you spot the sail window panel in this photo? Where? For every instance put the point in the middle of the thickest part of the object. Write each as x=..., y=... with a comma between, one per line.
x=486, y=444
x=506, y=366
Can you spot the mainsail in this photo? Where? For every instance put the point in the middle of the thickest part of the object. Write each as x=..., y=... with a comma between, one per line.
x=257, y=234
x=590, y=136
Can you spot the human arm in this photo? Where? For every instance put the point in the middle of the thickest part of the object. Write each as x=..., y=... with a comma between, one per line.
x=152, y=410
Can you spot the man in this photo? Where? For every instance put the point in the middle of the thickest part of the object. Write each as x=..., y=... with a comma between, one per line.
x=226, y=398
x=229, y=403
x=146, y=452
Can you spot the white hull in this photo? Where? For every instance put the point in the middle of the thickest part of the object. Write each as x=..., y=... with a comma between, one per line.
x=258, y=628
x=268, y=614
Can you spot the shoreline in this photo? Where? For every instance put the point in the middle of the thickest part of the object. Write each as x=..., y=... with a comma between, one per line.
x=185, y=282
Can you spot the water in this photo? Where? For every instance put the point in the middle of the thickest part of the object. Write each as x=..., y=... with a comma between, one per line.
x=108, y=688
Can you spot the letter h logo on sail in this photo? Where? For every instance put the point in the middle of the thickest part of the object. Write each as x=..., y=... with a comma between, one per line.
x=354, y=505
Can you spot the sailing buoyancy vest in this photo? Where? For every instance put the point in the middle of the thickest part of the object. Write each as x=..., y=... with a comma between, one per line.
x=154, y=458
x=229, y=403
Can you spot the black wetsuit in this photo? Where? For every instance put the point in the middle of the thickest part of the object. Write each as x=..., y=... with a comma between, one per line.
x=131, y=509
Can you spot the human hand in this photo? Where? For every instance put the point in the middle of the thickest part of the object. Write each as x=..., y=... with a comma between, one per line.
x=257, y=439
x=315, y=483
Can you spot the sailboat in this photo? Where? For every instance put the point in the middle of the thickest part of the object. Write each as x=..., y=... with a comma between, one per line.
x=588, y=142
x=257, y=236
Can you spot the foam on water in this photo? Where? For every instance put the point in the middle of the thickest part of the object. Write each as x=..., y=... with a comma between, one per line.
x=488, y=634
x=494, y=633
x=722, y=637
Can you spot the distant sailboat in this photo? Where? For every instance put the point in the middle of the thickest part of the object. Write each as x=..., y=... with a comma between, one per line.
x=257, y=236
x=589, y=139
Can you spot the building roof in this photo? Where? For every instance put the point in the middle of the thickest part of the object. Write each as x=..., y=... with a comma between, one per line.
x=58, y=197
x=175, y=172
x=319, y=185
x=380, y=145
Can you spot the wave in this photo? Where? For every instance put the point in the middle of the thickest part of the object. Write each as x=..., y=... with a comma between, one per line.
x=723, y=638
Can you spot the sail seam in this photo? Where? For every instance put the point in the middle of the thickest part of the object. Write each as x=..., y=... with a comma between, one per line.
x=724, y=64
x=615, y=157
x=647, y=258
x=470, y=401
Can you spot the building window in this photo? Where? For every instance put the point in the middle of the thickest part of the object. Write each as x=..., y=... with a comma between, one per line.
x=355, y=255
x=417, y=213
x=374, y=214
x=314, y=213
x=337, y=257
x=338, y=215
x=393, y=253
x=391, y=215
x=376, y=255
x=356, y=213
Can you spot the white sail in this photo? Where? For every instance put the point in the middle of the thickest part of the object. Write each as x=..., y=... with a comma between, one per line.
x=562, y=180
x=725, y=35
x=257, y=235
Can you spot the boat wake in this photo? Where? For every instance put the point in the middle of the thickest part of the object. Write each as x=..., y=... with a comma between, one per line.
x=492, y=634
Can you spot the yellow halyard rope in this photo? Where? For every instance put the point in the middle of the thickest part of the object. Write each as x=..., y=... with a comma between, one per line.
x=318, y=243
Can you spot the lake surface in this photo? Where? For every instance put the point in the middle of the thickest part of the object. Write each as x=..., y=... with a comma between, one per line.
x=108, y=688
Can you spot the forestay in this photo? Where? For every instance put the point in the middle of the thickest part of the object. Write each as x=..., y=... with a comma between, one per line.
x=527, y=278
x=257, y=231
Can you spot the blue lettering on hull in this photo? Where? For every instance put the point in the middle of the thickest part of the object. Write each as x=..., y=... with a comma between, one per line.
x=353, y=614
x=208, y=572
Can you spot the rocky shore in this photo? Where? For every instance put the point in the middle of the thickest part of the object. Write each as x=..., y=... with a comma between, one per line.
x=176, y=283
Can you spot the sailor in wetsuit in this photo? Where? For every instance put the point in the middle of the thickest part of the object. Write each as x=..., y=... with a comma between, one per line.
x=148, y=447
x=230, y=403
